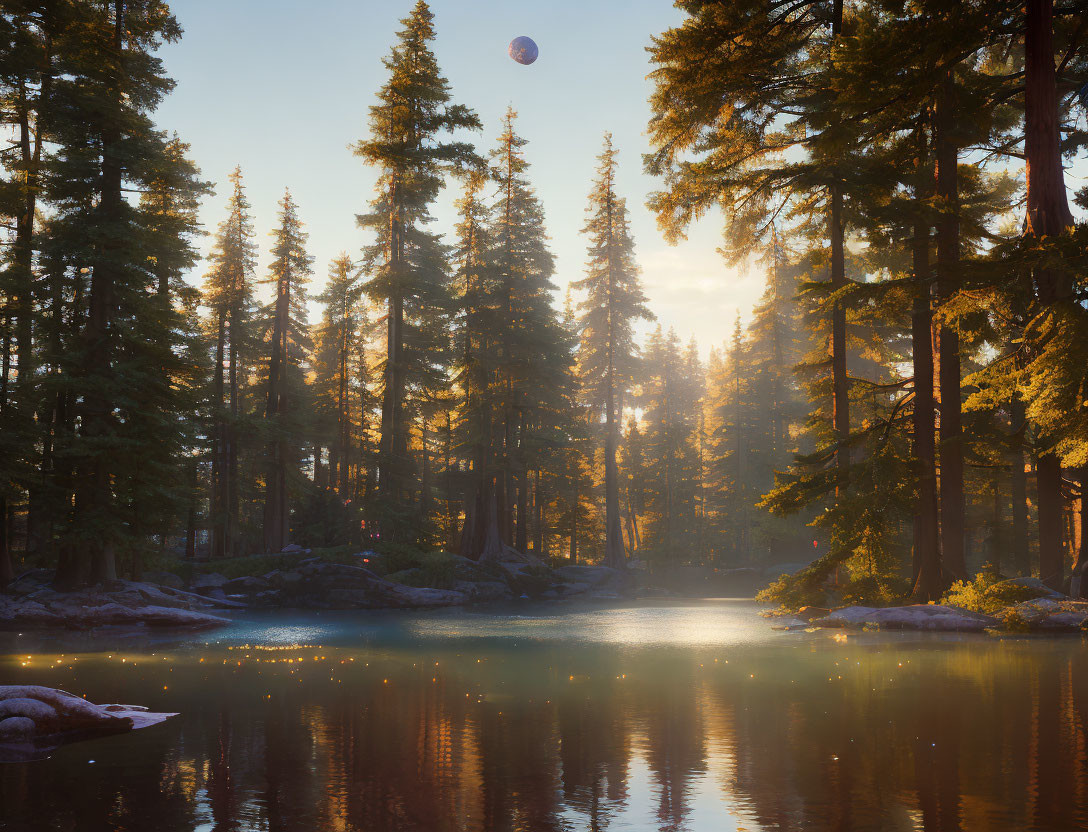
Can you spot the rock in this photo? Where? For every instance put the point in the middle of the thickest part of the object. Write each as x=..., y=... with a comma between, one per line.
x=566, y=590
x=208, y=580
x=293, y=547
x=483, y=591
x=21, y=613
x=286, y=579
x=914, y=617
x=1053, y=615
x=245, y=585
x=413, y=596
x=268, y=598
x=812, y=613
x=165, y=579
x=34, y=720
x=1033, y=585
x=508, y=554
x=790, y=623
x=35, y=709
x=593, y=576
x=30, y=581
x=16, y=728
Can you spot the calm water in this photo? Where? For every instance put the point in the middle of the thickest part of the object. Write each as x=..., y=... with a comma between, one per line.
x=670, y=716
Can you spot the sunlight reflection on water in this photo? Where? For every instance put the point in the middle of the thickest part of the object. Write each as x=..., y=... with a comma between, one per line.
x=671, y=715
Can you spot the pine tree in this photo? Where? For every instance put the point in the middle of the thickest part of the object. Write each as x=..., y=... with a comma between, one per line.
x=745, y=118
x=165, y=356
x=410, y=147
x=614, y=301
x=337, y=340
x=669, y=399
x=475, y=368
x=531, y=358
x=228, y=293
x=287, y=346
x=27, y=67
x=109, y=81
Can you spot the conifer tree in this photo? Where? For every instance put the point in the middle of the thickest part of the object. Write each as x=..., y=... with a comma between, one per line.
x=532, y=359
x=614, y=302
x=110, y=81
x=475, y=368
x=410, y=146
x=228, y=293
x=166, y=357
x=287, y=346
x=27, y=67
x=337, y=340
x=744, y=118
x=668, y=396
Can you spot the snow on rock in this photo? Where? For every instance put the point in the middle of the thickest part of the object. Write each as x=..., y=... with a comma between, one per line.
x=35, y=719
x=915, y=617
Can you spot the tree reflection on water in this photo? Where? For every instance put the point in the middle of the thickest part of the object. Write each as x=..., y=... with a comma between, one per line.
x=885, y=734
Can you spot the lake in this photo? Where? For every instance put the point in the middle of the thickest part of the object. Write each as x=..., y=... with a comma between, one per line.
x=669, y=715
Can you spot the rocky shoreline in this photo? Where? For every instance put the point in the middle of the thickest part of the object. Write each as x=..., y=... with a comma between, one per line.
x=1048, y=611
x=165, y=600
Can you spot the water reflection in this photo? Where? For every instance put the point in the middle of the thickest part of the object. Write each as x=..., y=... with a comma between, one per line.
x=794, y=733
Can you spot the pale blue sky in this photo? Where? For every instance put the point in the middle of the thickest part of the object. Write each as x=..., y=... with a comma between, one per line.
x=283, y=88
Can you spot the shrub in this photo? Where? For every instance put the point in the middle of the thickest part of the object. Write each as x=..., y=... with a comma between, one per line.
x=988, y=593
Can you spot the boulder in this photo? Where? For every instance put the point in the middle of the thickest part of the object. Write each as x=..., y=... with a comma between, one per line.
x=245, y=585
x=812, y=613
x=592, y=576
x=35, y=719
x=1032, y=585
x=17, y=728
x=284, y=579
x=24, y=612
x=208, y=580
x=1053, y=614
x=418, y=596
x=483, y=591
x=30, y=581
x=165, y=579
x=914, y=617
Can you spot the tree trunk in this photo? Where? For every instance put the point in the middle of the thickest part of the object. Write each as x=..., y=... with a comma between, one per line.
x=1048, y=478
x=840, y=405
x=1048, y=215
x=1078, y=589
x=218, y=498
x=7, y=570
x=1021, y=557
x=952, y=501
x=275, y=503
x=929, y=582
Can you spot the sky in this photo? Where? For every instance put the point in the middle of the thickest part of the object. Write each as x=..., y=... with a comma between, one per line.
x=283, y=89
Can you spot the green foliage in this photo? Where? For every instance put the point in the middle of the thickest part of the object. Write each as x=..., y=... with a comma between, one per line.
x=988, y=593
